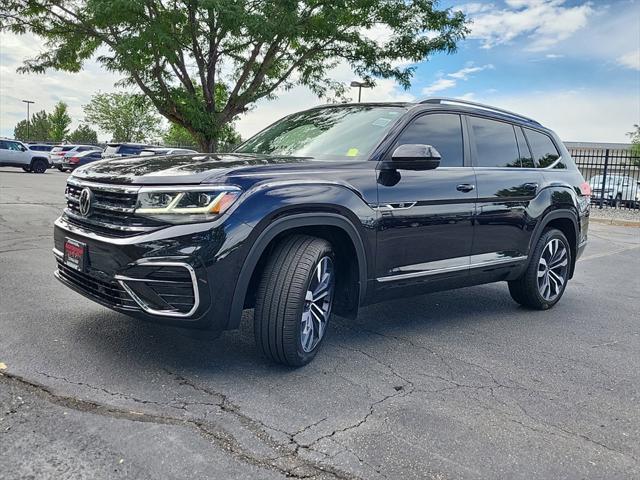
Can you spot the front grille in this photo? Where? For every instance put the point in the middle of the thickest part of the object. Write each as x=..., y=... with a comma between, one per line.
x=111, y=212
x=165, y=288
x=110, y=293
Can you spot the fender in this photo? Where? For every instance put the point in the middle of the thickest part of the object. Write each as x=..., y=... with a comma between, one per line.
x=563, y=213
x=279, y=226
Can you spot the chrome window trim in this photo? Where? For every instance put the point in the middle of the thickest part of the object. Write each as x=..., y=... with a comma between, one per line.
x=121, y=279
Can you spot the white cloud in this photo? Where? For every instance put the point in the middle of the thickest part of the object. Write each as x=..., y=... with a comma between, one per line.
x=450, y=80
x=630, y=60
x=439, y=85
x=576, y=115
x=544, y=22
x=553, y=56
x=45, y=90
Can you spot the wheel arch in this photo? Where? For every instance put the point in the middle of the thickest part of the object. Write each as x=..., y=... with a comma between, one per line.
x=564, y=220
x=333, y=227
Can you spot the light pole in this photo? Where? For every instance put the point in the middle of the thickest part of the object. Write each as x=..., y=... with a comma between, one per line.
x=360, y=86
x=28, y=102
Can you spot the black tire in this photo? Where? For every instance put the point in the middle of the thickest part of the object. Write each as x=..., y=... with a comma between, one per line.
x=618, y=201
x=60, y=168
x=39, y=165
x=281, y=299
x=525, y=290
x=27, y=169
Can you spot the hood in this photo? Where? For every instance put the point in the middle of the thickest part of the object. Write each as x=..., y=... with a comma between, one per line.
x=177, y=169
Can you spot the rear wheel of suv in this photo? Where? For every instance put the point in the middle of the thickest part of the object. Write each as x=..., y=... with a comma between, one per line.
x=39, y=165
x=544, y=281
x=294, y=300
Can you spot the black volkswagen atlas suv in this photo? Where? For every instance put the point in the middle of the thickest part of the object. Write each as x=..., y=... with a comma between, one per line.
x=325, y=211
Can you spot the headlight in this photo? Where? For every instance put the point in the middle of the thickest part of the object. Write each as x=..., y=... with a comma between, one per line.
x=185, y=204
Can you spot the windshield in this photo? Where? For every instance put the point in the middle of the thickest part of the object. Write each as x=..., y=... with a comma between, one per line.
x=339, y=132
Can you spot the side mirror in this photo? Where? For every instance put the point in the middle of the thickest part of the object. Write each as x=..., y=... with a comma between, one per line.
x=415, y=156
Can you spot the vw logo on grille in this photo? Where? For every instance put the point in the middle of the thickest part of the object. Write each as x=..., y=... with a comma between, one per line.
x=86, y=201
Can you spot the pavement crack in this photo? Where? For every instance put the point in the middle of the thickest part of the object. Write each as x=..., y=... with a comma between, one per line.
x=209, y=430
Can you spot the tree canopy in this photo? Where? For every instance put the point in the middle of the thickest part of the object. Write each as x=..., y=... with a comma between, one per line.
x=635, y=144
x=126, y=117
x=83, y=135
x=178, y=53
x=60, y=121
x=39, y=128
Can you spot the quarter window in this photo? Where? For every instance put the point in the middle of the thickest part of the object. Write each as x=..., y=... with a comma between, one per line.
x=544, y=151
x=495, y=143
x=440, y=130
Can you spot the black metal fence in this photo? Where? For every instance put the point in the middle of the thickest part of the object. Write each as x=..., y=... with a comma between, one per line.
x=614, y=176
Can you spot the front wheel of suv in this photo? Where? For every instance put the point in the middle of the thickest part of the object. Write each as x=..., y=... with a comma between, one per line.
x=294, y=300
x=39, y=166
x=545, y=279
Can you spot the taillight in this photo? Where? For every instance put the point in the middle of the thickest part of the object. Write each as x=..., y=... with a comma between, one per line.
x=74, y=159
x=585, y=189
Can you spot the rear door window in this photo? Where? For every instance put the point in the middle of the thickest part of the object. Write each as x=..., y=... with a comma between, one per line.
x=440, y=130
x=495, y=143
x=544, y=151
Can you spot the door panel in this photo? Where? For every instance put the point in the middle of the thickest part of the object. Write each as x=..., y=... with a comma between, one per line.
x=425, y=219
x=505, y=188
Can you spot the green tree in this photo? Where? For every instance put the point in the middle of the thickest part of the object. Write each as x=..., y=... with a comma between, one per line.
x=39, y=128
x=255, y=49
x=126, y=117
x=60, y=121
x=84, y=135
x=179, y=136
x=635, y=144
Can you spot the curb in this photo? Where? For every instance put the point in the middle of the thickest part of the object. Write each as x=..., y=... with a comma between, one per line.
x=619, y=222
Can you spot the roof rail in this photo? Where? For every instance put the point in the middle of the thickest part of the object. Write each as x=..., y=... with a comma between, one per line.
x=483, y=106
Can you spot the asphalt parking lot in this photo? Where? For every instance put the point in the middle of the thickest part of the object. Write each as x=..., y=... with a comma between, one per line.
x=461, y=384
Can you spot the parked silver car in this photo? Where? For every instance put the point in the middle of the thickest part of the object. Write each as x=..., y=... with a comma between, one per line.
x=618, y=189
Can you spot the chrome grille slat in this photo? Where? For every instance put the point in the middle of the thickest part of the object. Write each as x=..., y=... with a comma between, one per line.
x=113, y=209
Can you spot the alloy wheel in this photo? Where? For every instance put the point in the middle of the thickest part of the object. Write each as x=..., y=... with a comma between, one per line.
x=317, y=305
x=552, y=269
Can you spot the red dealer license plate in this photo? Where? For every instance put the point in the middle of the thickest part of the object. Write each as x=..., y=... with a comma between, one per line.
x=75, y=254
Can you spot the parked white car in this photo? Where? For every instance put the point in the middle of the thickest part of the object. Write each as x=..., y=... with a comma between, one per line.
x=59, y=152
x=618, y=189
x=16, y=154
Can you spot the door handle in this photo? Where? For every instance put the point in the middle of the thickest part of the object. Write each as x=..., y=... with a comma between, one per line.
x=465, y=187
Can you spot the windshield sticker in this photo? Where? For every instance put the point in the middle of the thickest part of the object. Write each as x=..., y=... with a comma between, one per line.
x=352, y=152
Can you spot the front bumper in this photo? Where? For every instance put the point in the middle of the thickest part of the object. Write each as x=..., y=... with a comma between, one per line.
x=159, y=276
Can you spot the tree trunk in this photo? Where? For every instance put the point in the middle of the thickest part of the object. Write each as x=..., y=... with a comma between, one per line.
x=208, y=145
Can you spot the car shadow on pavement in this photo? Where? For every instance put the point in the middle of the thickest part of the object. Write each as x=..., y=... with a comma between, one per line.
x=117, y=338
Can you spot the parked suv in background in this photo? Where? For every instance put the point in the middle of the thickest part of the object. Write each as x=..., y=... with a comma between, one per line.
x=16, y=154
x=40, y=147
x=618, y=189
x=325, y=211
x=124, y=149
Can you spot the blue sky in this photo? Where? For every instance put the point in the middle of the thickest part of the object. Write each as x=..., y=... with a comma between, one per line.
x=574, y=65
